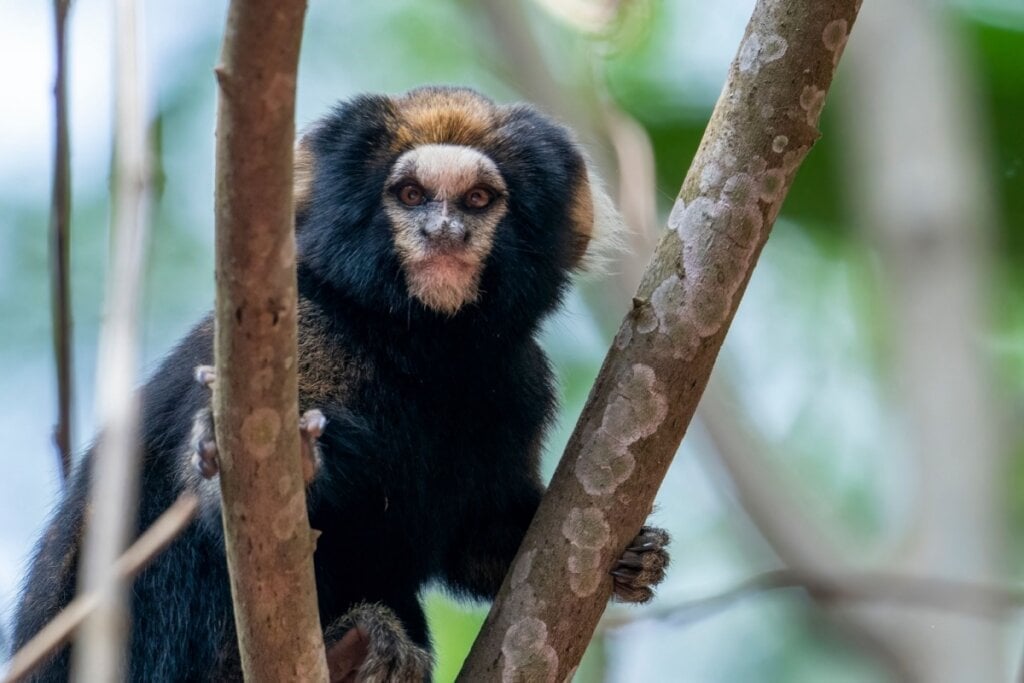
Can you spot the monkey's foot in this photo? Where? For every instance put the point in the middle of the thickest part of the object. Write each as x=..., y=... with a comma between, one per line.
x=369, y=645
x=642, y=566
x=204, y=443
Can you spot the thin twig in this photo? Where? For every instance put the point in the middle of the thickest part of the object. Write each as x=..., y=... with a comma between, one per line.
x=60, y=227
x=947, y=595
x=151, y=543
x=100, y=654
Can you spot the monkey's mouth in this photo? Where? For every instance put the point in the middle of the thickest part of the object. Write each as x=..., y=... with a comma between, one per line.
x=444, y=279
x=446, y=262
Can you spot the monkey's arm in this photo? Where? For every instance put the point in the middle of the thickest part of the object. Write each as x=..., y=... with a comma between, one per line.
x=483, y=551
x=483, y=548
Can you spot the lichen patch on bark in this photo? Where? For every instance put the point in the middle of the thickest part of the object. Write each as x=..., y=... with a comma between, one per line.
x=834, y=37
x=635, y=413
x=589, y=534
x=812, y=99
x=758, y=50
x=289, y=517
x=528, y=656
x=259, y=432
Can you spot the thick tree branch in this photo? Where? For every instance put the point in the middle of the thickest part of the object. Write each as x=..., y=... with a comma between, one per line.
x=647, y=391
x=269, y=542
x=60, y=237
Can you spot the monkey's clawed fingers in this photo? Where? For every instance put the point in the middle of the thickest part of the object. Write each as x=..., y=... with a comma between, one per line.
x=642, y=566
x=204, y=442
x=206, y=375
x=311, y=427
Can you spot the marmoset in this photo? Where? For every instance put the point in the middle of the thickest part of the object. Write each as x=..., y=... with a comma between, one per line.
x=435, y=231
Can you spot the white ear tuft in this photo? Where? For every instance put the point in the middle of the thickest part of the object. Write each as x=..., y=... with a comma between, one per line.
x=608, y=234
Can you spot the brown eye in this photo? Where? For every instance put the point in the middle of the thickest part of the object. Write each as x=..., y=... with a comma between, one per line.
x=478, y=198
x=411, y=194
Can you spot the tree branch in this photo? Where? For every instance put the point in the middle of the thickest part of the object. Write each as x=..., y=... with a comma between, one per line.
x=269, y=542
x=647, y=391
x=60, y=227
x=99, y=653
x=992, y=602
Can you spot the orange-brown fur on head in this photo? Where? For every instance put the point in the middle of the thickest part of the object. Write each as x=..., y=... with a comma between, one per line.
x=302, y=175
x=444, y=116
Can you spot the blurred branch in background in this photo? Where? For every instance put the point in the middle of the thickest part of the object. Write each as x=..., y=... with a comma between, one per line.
x=150, y=544
x=588, y=16
x=60, y=239
x=920, y=184
x=99, y=654
x=618, y=144
x=794, y=532
x=933, y=594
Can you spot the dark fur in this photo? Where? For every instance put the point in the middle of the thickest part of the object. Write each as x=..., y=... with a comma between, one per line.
x=430, y=455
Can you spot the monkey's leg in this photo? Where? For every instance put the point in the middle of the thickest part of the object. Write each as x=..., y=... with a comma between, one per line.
x=204, y=443
x=370, y=645
x=642, y=566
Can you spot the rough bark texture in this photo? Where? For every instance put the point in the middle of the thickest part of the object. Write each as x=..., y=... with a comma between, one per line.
x=648, y=389
x=269, y=542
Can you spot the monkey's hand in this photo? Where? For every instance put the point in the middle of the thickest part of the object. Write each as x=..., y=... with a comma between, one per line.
x=369, y=645
x=642, y=566
x=204, y=443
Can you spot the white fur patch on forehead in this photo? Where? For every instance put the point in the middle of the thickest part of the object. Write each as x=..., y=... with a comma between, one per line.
x=447, y=171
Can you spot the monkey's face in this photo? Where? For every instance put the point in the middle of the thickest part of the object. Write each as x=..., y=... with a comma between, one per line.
x=440, y=205
x=445, y=203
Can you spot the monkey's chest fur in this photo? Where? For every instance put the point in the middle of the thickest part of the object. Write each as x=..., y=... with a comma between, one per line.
x=416, y=450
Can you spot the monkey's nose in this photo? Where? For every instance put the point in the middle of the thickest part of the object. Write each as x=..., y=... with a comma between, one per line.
x=446, y=232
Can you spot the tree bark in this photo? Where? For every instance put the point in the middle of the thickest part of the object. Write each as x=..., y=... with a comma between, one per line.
x=269, y=542
x=762, y=127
